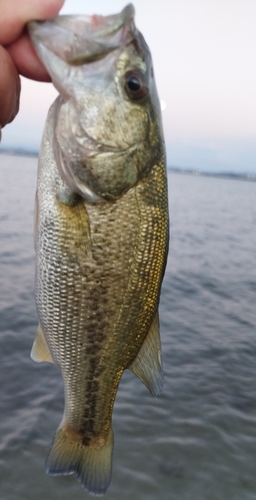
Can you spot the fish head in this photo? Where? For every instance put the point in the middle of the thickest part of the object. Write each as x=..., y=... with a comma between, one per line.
x=108, y=130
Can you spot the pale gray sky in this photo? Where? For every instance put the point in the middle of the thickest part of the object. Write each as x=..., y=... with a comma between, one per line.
x=204, y=57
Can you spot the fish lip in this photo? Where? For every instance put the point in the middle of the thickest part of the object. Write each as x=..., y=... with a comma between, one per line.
x=120, y=19
x=80, y=39
x=61, y=47
x=39, y=28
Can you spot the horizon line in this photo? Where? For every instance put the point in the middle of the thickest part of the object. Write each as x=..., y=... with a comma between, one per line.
x=171, y=168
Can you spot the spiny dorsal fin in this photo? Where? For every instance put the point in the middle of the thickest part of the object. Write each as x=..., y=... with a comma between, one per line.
x=148, y=364
x=40, y=350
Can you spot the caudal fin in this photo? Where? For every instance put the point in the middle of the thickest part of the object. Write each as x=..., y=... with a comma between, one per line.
x=91, y=462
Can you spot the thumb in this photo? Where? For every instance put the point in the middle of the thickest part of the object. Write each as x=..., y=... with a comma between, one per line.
x=15, y=14
x=9, y=89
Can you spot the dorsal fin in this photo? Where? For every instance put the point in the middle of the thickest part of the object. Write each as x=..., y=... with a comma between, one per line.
x=148, y=364
x=40, y=350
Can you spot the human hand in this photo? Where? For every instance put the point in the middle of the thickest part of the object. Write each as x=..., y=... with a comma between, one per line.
x=17, y=55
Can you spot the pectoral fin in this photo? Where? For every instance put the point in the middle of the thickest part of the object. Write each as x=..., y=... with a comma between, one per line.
x=40, y=350
x=147, y=364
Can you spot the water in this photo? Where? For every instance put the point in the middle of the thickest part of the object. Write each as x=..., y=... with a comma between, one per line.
x=198, y=440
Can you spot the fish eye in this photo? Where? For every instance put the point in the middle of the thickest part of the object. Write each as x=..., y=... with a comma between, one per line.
x=135, y=86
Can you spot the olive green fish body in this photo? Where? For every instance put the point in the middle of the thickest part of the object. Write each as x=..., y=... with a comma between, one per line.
x=101, y=242
x=99, y=272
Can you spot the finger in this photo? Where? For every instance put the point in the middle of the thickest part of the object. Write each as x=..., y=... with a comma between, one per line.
x=26, y=60
x=16, y=13
x=9, y=89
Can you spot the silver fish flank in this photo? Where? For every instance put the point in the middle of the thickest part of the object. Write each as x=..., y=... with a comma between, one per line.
x=101, y=229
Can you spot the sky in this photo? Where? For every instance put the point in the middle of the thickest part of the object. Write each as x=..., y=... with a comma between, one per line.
x=204, y=55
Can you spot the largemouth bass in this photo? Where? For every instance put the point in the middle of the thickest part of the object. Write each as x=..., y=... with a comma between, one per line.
x=101, y=229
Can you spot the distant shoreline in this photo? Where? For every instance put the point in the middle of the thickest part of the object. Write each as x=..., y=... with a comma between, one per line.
x=221, y=175
x=18, y=152
x=175, y=170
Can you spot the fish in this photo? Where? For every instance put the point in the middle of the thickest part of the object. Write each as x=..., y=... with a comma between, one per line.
x=101, y=229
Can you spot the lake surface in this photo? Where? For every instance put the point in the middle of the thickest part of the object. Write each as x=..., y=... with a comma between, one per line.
x=198, y=439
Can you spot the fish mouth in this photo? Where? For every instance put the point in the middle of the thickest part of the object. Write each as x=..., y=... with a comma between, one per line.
x=82, y=39
x=69, y=42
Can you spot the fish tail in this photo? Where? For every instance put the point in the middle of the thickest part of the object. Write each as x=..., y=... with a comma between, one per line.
x=92, y=462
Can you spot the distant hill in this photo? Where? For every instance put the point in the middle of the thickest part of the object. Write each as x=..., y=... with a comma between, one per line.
x=176, y=170
x=221, y=175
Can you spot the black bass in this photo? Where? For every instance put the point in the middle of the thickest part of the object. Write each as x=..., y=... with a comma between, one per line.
x=101, y=229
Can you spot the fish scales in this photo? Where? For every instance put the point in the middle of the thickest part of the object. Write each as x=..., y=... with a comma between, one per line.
x=108, y=286
x=101, y=235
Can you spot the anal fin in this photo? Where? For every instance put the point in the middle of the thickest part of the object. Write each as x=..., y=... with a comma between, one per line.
x=148, y=363
x=40, y=350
